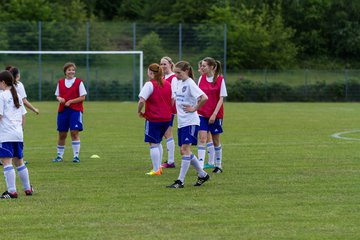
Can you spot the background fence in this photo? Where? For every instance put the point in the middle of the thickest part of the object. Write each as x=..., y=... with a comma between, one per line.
x=117, y=77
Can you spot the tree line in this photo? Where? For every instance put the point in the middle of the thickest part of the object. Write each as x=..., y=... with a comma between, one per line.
x=274, y=34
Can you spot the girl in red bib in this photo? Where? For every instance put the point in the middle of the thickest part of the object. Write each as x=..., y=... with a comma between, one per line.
x=70, y=92
x=167, y=66
x=156, y=96
x=212, y=112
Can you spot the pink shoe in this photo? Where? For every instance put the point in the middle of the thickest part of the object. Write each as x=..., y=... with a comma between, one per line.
x=167, y=165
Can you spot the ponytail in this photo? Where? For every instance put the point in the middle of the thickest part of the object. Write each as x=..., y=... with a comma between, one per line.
x=185, y=66
x=216, y=66
x=157, y=70
x=7, y=77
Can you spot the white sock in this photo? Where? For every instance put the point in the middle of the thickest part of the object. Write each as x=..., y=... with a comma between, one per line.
x=60, y=150
x=24, y=176
x=185, y=164
x=211, y=153
x=155, y=157
x=76, y=148
x=218, y=155
x=201, y=154
x=161, y=151
x=195, y=162
x=9, y=174
x=170, y=145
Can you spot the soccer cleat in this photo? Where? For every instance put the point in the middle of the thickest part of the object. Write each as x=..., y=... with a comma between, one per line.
x=152, y=172
x=207, y=166
x=57, y=159
x=217, y=170
x=176, y=184
x=168, y=165
x=201, y=180
x=6, y=195
x=76, y=160
x=29, y=192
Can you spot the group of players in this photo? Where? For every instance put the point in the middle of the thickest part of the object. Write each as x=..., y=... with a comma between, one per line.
x=70, y=92
x=171, y=90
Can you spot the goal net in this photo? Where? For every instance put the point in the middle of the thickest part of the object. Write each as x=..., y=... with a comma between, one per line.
x=107, y=75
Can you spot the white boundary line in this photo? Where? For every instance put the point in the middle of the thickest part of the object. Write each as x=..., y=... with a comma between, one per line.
x=338, y=135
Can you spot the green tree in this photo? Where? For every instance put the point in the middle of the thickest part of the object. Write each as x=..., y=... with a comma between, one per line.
x=151, y=46
x=257, y=38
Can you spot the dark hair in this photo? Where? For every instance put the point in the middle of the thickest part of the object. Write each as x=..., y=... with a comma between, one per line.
x=216, y=65
x=67, y=65
x=14, y=71
x=185, y=66
x=7, y=77
x=157, y=70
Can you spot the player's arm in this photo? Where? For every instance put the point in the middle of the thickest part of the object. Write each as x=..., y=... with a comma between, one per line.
x=141, y=105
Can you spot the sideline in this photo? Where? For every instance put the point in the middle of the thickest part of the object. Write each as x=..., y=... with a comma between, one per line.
x=339, y=135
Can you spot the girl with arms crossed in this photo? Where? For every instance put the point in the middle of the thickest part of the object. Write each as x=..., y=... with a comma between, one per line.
x=168, y=75
x=156, y=95
x=189, y=98
x=12, y=117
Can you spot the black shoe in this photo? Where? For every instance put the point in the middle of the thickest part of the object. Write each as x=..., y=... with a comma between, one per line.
x=9, y=195
x=29, y=192
x=201, y=180
x=217, y=170
x=176, y=184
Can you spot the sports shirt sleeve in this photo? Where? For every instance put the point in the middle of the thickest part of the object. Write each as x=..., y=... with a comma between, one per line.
x=223, y=92
x=82, y=90
x=195, y=91
x=57, y=90
x=146, y=91
x=20, y=89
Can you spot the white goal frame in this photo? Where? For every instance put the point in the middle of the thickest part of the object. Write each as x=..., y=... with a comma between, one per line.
x=140, y=53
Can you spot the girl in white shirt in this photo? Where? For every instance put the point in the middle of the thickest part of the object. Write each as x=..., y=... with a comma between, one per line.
x=189, y=98
x=12, y=116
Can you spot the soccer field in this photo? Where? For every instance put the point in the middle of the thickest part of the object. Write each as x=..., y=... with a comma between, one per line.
x=285, y=177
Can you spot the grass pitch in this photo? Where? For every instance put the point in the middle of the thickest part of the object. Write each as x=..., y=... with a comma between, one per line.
x=284, y=177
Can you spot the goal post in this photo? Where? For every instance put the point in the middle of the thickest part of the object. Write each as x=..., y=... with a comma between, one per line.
x=103, y=58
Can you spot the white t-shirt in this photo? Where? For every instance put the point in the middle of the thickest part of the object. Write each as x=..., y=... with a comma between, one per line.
x=69, y=83
x=21, y=90
x=147, y=90
x=11, y=122
x=223, y=92
x=187, y=93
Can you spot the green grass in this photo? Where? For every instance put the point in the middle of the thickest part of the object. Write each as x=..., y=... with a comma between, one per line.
x=284, y=177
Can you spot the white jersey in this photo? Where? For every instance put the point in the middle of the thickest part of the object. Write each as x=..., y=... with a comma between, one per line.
x=69, y=83
x=11, y=129
x=223, y=92
x=21, y=90
x=187, y=93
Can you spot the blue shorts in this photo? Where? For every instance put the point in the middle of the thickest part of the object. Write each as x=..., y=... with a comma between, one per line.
x=11, y=150
x=188, y=135
x=172, y=120
x=215, y=128
x=154, y=131
x=69, y=119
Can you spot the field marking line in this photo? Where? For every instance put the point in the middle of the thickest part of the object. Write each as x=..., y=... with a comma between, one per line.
x=339, y=135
